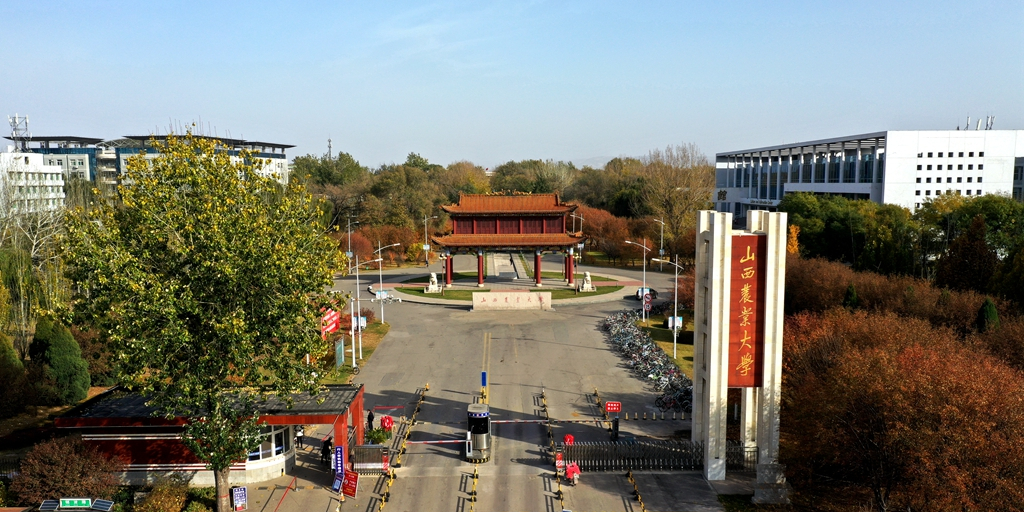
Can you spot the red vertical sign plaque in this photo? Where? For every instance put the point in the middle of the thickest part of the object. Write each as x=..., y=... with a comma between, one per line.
x=746, y=311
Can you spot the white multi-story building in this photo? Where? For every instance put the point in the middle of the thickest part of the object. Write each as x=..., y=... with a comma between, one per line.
x=28, y=184
x=899, y=167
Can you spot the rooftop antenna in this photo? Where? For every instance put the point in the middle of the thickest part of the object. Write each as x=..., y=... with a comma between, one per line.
x=968, y=125
x=19, y=131
x=979, y=125
x=328, y=148
x=991, y=122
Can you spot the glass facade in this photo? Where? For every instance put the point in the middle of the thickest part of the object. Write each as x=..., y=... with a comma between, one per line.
x=277, y=440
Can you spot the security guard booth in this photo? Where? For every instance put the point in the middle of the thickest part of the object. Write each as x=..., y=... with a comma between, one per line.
x=478, y=448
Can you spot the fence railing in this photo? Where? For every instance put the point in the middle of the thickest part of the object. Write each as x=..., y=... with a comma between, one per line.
x=739, y=457
x=635, y=455
x=368, y=459
x=9, y=466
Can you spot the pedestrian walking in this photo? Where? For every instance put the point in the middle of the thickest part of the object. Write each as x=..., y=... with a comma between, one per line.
x=299, y=433
x=325, y=450
x=369, y=420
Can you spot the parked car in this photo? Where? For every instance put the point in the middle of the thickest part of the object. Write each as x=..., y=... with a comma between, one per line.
x=640, y=293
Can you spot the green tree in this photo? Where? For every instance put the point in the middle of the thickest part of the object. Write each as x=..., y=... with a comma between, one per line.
x=850, y=301
x=55, y=348
x=988, y=317
x=1009, y=275
x=16, y=390
x=969, y=262
x=209, y=281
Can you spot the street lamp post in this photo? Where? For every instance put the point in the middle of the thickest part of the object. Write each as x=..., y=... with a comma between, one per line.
x=355, y=319
x=675, y=310
x=349, y=251
x=380, y=273
x=661, y=248
x=426, y=252
x=644, y=289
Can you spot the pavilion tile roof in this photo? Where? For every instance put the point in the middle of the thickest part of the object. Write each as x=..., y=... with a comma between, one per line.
x=527, y=203
x=508, y=240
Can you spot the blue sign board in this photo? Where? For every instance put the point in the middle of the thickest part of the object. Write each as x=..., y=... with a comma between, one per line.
x=238, y=499
x=339, y=459
x=483, y=379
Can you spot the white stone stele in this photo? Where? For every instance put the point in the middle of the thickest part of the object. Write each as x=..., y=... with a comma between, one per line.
x=760, y=415
x=504, y=301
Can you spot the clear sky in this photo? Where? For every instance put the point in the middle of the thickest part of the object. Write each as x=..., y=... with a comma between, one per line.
x=492, y=82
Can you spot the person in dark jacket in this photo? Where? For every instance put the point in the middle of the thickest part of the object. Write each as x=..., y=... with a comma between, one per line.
x=325, y=450
x=369, y=420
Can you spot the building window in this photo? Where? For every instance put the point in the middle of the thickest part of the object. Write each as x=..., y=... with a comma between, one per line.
x=917, y=205
x=1018, y=172
x=971, y=154
x=940, y=154
x=927, y=192
x=969, y=179
x=959, y=180
x=917, y=192
x=978, y=193
x=927, y=180
x=919, y=180
x=970, y=167
x=960, y=167
x=981, y=166
x=949, y=180
x=939, y=167
x=929, y=154
x=979, y=179
x=929, y=167
x=961, y=154
x=938, y=192
x=919, y=167
x=919, y=155
x=968, y=192
x=981, y=153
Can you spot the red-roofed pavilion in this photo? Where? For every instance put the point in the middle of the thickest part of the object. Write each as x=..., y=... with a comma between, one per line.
x=484, y=222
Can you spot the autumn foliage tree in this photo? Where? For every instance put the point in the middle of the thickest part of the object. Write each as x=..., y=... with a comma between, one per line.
x=65, y=467
x=969, y=262
x=902, y=412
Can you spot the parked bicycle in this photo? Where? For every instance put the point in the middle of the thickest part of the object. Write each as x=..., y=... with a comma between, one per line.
x=649, y=362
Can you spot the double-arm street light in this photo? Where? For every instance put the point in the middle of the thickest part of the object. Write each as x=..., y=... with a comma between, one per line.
x=644, y=289
x=354, y=314
x=661, y=248
x=426, y=246
x=380, y=272
x=574, y=217
x=675, y=311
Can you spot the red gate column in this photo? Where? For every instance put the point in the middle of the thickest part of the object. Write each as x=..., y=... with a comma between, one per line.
x=448, y=264
x=536, y=268
x=480, y=269
x=572, y=269
x=341, y=437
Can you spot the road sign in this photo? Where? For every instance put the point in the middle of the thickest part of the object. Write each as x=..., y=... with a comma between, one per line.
x=350, y=484
x=381, y=294
x=675, y=322
x=362, y=322
x=647, y=306
x=239, y=499
x=426, y=247
x=647, y=297
x=613, y=407
x=336, y=486
x=76, y=503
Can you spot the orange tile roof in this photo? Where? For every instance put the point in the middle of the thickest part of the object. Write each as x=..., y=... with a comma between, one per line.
x=530, y=203
x=539, y=240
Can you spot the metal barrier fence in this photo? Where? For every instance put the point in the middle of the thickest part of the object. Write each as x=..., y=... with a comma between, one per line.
x=10, y=466
x=369, y=459
x=739, y=457
x=633, y=455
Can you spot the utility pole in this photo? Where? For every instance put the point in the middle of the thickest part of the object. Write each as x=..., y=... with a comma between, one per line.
x=426, y=246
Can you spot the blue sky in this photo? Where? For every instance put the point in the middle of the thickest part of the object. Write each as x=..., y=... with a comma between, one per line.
x=492, y=82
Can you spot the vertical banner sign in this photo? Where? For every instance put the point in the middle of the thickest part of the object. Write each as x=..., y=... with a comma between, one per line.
x=746, y=311
x=350, y=484
x=339, y=459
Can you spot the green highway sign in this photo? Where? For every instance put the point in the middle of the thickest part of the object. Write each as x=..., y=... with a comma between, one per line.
x=75, y=502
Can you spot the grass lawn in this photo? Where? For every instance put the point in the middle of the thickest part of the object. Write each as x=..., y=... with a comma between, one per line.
x=440, y=277
x=562, y=293
x=372, y=336
x=448, y=294
x=684, y=344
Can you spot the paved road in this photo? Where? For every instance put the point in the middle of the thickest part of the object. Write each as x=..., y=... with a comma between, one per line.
x=562, y=354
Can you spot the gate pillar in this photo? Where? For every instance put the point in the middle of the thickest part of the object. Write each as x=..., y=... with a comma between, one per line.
x=480, y=268
x=536, y=267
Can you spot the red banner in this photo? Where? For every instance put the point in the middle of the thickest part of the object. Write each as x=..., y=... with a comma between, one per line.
x=746, y=311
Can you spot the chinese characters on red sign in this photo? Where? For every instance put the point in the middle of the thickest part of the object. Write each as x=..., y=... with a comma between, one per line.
x=746, y=311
